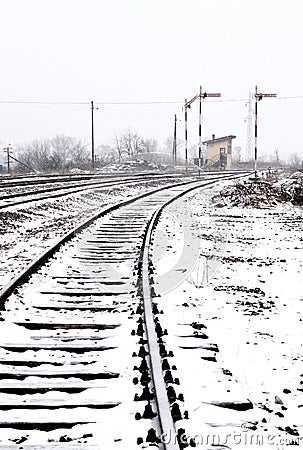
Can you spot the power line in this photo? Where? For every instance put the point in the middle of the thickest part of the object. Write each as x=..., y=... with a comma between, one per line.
x=15, y=102
x=173, y=102
x=159, y=102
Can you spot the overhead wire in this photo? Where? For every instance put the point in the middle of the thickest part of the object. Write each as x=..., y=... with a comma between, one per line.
x=156, y=102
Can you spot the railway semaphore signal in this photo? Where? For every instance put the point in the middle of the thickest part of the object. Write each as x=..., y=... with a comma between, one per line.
x=258, y=96
x=205, y=94
x=188, y=105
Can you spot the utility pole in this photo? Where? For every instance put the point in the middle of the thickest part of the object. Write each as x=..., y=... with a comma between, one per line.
x=8, y=160
x=7, y=149
x=93, y=136
x=188, y=105
x=175, y=141
x=185, y=124
x=200, y=128
x=258, y=97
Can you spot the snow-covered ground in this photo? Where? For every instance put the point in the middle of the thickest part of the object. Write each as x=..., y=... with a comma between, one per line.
x=230, y=285
x=28, y=230
x=235, y=322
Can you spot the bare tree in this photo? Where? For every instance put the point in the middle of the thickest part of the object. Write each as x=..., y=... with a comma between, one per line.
x=78, y=154
x=105, y=155
x=148, y=146
x=130, y=144
x=295, y=161
x=118, y=145
x=127, y=139
x=168, y=145
x=56, y=153
x=62, y=152
x=59, y=148
x=38, y=155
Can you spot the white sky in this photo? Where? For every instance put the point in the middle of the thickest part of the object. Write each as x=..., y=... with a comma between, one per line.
x=151, y=50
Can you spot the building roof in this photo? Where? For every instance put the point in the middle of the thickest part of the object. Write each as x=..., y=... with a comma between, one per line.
x=225, y=138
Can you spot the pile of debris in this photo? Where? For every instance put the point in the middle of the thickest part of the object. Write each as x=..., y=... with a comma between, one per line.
x=292, y=188
x=262, y=194
x=244, y=194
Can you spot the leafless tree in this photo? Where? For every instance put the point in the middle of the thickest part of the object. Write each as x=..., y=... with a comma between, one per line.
x=79, y=154
x=105, y=155
x=37, y=155
x=118, y=145
x=130, y=143
x=61, y=152
x=148, y=146
x=295, y=161
x=168, y=145
x=56, y=153
x=59, y=147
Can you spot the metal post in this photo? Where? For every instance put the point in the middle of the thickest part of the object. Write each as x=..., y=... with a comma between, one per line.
x=256, y=130
x=187, y=105
x=93, y=136
x=8, y=155
x=258, y=97
x=175, y=141
x=200, y=129
x=185, y=111
x=8, y=161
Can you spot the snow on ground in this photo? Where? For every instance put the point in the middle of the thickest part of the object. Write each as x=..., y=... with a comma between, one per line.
x=27, y=230
x=235, y=322
x=230, y=285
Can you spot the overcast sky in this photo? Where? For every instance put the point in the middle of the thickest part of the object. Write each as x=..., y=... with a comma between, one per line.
x=130, y=51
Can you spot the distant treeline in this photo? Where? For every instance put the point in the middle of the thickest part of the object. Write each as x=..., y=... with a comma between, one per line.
x=62, y=152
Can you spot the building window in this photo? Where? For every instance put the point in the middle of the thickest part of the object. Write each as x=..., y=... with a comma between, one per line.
x=229, y=150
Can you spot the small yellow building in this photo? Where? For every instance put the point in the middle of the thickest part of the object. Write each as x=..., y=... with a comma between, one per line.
x=219, y=152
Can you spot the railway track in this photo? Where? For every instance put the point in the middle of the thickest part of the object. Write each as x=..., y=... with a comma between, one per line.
x=83, y=359
x=11, y=182
x=35, y=193
x=34, y=180
x=27, y=196
x=32, y=195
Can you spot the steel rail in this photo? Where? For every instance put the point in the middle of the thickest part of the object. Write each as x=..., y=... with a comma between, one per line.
x=75, y=190
x=37, y=262
x=166, y=421
x=71, y=190
x=167, y=424
x=68, y=179
x=52, y=178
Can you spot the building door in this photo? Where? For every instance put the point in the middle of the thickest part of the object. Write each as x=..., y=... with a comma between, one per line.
x=223, y=157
